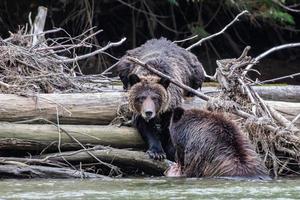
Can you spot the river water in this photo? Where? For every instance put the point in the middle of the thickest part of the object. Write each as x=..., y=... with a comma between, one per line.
x=150, y=188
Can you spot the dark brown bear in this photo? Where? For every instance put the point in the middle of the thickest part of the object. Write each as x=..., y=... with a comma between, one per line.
x=209, y=145
x=152, y=99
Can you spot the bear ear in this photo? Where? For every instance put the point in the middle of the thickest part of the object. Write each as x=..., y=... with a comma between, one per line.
x=177, y=114
x=133, y=79
x=164, y=82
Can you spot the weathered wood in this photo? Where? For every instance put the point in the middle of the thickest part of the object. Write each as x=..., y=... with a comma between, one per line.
x=38, y=26
x=85, y=108
x=137, y=159
x=36, y=137
x=39, y=136
x=289, y=109
x=290, y=93
x=34, y=171
x=98, y=108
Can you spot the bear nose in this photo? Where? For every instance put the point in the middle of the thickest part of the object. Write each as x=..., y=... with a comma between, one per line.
x=148, y=113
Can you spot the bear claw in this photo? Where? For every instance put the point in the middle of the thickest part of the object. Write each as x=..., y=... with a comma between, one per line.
x=156, y=155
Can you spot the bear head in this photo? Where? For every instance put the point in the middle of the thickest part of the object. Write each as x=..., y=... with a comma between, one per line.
x=148, y=95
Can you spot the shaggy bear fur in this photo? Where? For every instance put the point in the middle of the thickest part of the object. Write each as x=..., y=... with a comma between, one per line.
x=154, y=129
x=209, y=145
x=148, y=90
x=166, y=57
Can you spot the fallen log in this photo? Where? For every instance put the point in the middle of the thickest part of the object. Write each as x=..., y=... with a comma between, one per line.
x=119, y=157
x=34, y=171
x=289, y=109
x=86, y=108
x=289, y=93
x=36, y=137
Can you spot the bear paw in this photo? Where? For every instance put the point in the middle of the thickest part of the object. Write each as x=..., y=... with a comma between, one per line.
x=156, y=155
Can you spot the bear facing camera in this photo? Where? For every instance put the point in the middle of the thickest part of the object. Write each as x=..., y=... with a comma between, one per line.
x=209, y=145
x=151, y=98
x=148, y=96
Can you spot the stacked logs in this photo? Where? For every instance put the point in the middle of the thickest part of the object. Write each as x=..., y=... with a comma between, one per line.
x=65, y=131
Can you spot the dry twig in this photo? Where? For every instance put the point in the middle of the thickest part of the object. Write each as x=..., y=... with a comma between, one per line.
x=264, y=54
x=218, y=33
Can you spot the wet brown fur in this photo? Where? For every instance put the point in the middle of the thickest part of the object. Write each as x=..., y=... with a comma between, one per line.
x=168, y=58
x=209, y=145
x=173, y=61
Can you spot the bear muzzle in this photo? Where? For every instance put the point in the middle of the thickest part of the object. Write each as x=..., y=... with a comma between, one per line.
x=148, y=109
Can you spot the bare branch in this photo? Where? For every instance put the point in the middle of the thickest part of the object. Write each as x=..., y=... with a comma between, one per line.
x=41, y=33
x=276, y=79
x=110, y=68
x=82, y=43
x=71, y=60
x=286, y=7
x=295, y=119
x=181, y=85
x=187, y=39
x=264, y=54
x=218, y=33
x=5, y=85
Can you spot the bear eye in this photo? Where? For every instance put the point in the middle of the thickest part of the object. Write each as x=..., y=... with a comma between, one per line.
x=156, y=99
x=140, y=99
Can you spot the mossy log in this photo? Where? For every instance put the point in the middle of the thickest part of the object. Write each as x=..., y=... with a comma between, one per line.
x=96, y=108
x=36, y=137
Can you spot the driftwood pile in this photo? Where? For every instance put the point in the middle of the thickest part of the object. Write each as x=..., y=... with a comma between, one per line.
x=30, y=63
x=55, y=122
x=33, y=141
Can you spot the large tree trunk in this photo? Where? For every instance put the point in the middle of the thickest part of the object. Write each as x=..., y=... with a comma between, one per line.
x=98, y=108
x=279, y=93
x=36, y=137
x=87, y=108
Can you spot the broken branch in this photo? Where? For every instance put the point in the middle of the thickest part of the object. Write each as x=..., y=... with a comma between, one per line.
x=264, y=54
x=218, y=33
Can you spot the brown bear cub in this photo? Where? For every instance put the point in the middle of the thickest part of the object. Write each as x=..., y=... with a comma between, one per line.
x=209, y=145
x=152, y=99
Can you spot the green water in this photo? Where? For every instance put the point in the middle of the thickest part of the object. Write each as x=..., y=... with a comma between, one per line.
x=155, y=188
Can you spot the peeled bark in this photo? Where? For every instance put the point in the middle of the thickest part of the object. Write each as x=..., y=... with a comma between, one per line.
x=36, y=137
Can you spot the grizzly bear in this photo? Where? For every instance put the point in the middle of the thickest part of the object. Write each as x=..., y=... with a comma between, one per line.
x=151, y=98
x=209, y=145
